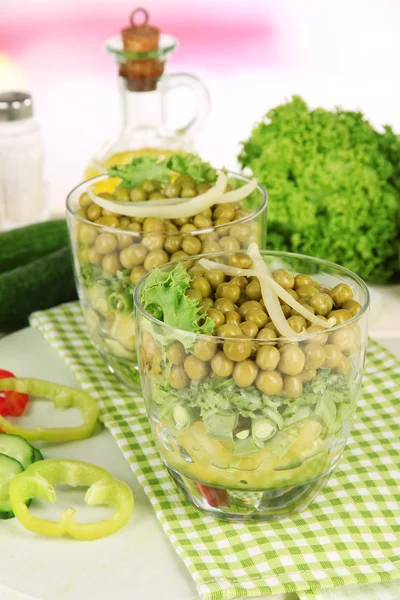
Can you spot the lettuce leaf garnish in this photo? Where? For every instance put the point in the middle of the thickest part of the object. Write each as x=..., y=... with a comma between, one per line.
x=147, y=167
x=192, y=165
x=163, y=295
x=141, y=168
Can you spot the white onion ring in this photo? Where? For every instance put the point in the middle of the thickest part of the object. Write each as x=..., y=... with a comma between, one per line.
x=269, y=295
x=239, y=194
x=273, y=285
x=189, y=208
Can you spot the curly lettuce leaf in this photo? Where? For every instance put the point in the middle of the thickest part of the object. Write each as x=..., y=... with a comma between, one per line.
x=141, y=168
x=327, y=173
x=147, y=167
x=163, y=295
x=192, y=165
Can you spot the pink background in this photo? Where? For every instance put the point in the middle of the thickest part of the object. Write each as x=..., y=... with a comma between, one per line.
x=251, y=53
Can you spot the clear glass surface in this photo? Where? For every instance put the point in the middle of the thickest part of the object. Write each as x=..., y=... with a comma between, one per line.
x=257, y=443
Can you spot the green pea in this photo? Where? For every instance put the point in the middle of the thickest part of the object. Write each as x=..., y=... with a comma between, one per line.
x=188, y=192
x=202, y=188
x=138, y=195
x=172, y=190
x=121, y=194
x=156, y=196
x=150, y=186
x=186, y=181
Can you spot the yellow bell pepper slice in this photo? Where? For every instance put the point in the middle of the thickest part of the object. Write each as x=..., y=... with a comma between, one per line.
x=38, y=481
x=62, y=397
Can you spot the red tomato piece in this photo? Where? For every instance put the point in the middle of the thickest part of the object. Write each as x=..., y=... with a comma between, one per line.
x=214, y=496
x=12, y=404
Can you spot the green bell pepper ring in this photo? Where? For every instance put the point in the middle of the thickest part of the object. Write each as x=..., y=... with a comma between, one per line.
x=121, y=302
x=37, y=482
x=62, y=397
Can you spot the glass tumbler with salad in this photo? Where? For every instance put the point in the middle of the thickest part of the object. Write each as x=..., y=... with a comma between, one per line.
x=141, y=216
x=251, y=364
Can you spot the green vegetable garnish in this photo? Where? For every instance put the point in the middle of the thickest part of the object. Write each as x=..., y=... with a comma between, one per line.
x=148, y=168
x=141, y=168
x=121, y=302
x=262, y=429
x=334, y=186
x=220, y=425
x=192, y=165
x=280, y=444
x=163, y=295
x=216, y=395
x=183, y=416
x=244, y=447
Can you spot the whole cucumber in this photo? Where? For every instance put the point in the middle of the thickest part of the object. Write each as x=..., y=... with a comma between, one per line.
x=24, y=245
x=41, y=284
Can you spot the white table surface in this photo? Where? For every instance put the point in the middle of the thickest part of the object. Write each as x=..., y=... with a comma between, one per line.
x=137, y=562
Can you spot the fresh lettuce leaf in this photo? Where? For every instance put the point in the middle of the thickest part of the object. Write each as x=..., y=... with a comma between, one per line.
x=141, y=168
x=313, y=172
x=319, y=398
x=210, y=395
x=163, y=295
x=192, y=165
x=147, y=167
x=334, y=385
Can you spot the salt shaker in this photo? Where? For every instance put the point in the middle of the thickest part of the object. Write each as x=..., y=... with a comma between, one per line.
x=22, y=185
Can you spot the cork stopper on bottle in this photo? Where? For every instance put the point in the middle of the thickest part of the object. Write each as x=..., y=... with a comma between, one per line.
x=142, y=73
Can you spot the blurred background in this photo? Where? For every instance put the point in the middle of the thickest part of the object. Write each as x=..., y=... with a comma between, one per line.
x=251, y=54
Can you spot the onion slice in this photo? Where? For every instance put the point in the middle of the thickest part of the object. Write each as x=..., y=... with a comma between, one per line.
x=189, y=208
x=271, y=283
x=269, y=295
x=159, y=202
x=239, y=194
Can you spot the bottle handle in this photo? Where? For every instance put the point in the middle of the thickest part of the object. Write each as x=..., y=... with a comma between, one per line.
x=202, y=97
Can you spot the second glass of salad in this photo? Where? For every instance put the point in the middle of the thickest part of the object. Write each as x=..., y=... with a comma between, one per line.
x=251, y=364
x=141, y=216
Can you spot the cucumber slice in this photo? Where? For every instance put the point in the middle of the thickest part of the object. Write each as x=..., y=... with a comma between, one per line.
x=18, y=448
x=300, y=416
x=221, y=425
x=262, y=429
x=183, y=416
x=273, y=415
x=282, y=442
x=9, y=467
x=37, y=455
x=325, y=413
x=242, y=434
x=244, y=447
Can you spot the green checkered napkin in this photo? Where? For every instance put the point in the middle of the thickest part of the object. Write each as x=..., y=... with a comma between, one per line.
x=349, y=535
